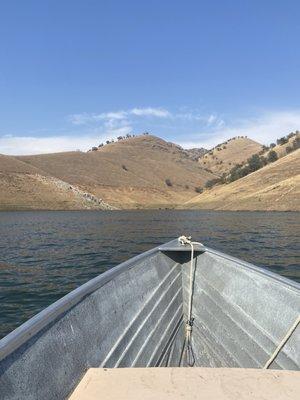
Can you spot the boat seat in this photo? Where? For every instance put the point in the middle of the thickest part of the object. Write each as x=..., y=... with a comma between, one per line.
x=187, y=383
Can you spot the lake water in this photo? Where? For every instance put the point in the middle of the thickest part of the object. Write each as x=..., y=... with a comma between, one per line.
x=50, y=253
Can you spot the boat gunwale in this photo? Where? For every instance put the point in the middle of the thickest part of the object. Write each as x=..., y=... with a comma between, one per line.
x=294, y=285
x=13, y=340
x=35, y=324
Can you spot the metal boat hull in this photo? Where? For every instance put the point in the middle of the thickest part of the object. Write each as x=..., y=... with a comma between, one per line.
x=133, y=316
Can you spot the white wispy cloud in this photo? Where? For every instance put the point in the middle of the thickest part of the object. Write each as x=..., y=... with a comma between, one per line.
x=152, y=112
x=28, y=145
x=264, y=128
x=209, y=130
x=88, y=118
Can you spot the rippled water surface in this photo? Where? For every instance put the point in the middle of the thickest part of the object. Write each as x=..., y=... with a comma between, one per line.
x=44, y=255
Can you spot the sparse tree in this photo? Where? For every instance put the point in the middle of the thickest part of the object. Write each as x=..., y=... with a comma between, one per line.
x=212, y=182
x=254, y=162
x=282, y=141
x=272, y=156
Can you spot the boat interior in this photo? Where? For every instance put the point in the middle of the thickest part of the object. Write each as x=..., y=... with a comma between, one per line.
x=135, y=314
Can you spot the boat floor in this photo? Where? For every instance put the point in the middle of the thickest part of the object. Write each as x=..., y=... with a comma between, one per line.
x=187, y=383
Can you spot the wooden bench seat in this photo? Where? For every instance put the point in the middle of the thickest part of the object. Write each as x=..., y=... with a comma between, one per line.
x=187, y=383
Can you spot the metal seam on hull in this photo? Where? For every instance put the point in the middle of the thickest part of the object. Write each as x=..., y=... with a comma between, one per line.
x=221, y=345
x=262, y=331
x=232, y=340
x=170, y=345
x=229, y=315
x=35, y=324
x=181, y=353
x=201, y=337
x=209, y=345
x=158, y=302
x=136, y=317
x=205, y=356
x=156, y=325
x=235, y=341
x=238, y=309
x=153, y=331
x=178, y=311
x=242, y=311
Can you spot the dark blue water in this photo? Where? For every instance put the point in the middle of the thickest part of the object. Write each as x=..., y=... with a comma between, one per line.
x=44, y=255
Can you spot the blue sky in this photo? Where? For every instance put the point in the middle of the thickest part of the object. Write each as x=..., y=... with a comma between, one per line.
x=73, y=73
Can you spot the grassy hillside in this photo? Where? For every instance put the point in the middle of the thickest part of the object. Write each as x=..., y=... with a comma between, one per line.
x=274, y=187
x=148, y=172
x=143, y=171
x=224, y=156
x=26, y=187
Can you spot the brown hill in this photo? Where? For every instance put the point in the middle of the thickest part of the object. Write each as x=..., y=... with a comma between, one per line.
x=196, y=152
x=24, y=187
x=143, y=171
x=10, y=164
x=223, y=157
x=274, y=187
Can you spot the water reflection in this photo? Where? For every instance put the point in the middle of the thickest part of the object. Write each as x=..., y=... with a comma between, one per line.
x=44, y=255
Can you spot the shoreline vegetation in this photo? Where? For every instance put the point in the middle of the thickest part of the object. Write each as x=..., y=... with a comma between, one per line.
x=144, y=172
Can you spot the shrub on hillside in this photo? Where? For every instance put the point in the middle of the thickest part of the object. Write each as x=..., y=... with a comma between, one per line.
x=198, y=189
x=212, y=182
x=255, y=162
x=236, y=172
x=168, y=182
x=282, y=141
x=272, y=156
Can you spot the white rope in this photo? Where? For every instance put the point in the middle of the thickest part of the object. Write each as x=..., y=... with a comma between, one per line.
x=184, y=240
x=282, y=343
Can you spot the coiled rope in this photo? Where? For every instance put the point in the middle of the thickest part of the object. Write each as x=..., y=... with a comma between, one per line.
x=190, y=358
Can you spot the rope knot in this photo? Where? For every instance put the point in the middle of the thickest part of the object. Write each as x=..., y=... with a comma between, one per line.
x=183, y=240
x=189, y=323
